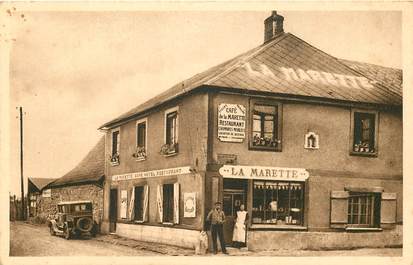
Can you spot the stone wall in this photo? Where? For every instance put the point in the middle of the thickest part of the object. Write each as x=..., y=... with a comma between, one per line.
x=47, y=207
x=299, y=240
x=164, y=235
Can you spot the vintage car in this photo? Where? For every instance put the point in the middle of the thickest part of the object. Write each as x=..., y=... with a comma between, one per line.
x=74, y=218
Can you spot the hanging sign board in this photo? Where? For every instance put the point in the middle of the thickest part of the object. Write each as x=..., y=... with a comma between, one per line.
x=273, y=173
x=231, y=122
x=153, y=173
x=189, y=204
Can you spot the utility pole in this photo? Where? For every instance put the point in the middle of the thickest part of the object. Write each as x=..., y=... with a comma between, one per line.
x=21, y=163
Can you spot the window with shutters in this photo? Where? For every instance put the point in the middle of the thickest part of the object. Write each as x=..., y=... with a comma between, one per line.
x=364, y=209
x=168, y=203
x=358, y=208
x=139, y=203
x=364, y=132
x=265, y=133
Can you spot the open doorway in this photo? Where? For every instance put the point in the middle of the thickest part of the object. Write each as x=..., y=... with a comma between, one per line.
x=234, y=194
x=113, y=210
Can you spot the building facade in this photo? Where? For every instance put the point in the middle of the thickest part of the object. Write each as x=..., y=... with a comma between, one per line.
x=38, y=195
x=311, y=144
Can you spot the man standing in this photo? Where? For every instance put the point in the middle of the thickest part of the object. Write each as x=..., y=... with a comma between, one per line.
x=217, y=217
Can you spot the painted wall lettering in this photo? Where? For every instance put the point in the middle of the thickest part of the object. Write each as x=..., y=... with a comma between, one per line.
x=326, y=78
x=299, y=75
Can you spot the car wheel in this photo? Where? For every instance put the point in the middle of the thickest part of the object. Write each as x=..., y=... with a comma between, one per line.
x=52, y=232
x=67, y=233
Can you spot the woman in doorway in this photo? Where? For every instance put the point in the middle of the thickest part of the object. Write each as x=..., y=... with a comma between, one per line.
x=240, y=229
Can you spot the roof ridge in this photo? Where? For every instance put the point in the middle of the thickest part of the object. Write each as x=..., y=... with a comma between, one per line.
x=348, y=67
x=378, y=65
x=259, y=50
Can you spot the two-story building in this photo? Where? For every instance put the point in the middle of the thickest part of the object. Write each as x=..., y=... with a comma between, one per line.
x=310, y=143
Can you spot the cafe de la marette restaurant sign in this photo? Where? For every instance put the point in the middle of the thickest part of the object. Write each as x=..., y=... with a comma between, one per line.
x=153, y=173
x=272, y=173
x=231, y=122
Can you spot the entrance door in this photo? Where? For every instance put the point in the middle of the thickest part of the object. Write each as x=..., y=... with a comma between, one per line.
x=232, y=200
x=113, y=210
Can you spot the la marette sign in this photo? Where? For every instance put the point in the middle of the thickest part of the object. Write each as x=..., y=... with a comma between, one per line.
x=231, y=122
x=272, y=173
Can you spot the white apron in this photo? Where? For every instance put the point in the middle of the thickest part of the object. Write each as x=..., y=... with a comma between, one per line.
x=239, y=227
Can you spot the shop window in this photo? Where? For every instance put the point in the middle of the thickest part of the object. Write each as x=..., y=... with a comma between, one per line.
x=114, y=158
x=364, y=209
x=278, y=203
x=265, y=126
x=140, y=152
x=364, y=132
x=171, y=132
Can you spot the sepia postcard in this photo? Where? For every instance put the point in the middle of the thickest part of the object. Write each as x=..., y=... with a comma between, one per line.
x=205, y=132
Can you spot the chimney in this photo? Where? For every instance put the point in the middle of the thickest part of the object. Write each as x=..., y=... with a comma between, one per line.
x=273, y=25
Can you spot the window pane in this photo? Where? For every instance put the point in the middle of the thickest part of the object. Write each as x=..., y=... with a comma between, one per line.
x=171, y=128
x=361, y=209
x=141, y=134
x=364, y=130
x=256, y=125
x=268, y=126
x=264, y=126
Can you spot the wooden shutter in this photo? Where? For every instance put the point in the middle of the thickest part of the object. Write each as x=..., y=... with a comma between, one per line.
x=388, y=208
x=159, y=201
x=176, y=203
x=338, y=209
x=145, y=203
x=132, y=205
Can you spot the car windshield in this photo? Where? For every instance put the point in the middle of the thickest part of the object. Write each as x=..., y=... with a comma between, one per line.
x=84, y=207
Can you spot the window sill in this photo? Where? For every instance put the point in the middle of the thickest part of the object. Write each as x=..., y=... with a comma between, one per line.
x=171, y=154
x=138, y=222
x=354, y=153
x=278, y=227
x=140, y=159
x=363, y=229
x=113, y=164
x=264, y=148
x=167, y=224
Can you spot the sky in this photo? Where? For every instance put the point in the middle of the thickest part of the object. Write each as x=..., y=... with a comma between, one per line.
x=74, y=71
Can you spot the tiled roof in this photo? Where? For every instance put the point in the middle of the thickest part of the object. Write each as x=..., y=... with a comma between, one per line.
x=40, y=183
x=90, y=169
x=389, y=77
x=290, y=66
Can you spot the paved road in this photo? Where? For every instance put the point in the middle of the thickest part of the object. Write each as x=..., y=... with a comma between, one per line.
x=31, y=240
